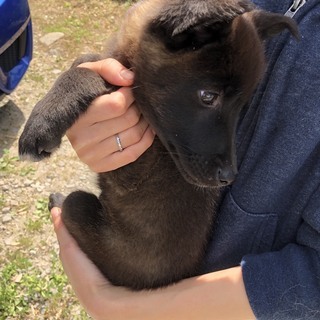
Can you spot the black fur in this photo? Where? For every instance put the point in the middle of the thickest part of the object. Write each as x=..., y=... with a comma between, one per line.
x=196, y=65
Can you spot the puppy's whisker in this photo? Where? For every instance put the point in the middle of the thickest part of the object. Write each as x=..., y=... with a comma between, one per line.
x=136, y=87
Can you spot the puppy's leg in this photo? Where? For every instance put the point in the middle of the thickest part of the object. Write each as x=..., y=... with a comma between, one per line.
x=70, y=96
x=91, y=57
x=81, y=210
x=85, y=219
x=82, y=214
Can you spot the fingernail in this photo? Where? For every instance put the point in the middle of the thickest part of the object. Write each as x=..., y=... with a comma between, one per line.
x=127, y=74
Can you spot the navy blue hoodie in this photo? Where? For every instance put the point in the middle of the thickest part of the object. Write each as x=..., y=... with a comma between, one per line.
x=269, y=220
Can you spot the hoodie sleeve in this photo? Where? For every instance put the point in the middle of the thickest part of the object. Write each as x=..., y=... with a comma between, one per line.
x=286, y=284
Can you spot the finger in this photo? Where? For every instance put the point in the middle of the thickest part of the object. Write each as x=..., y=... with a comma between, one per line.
x=85, y=279
x=74, y=261
x=128, y=155
x=106, y=107
x=64, y=238
x=83, y=140
x=91, y=154
x=112, y=71
x=132, y=135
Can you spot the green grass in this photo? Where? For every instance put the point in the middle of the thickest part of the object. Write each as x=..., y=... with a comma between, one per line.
x=35, y=77
x=42, y=211
x=23, y=286
x=13, y=300
x=10, y=164
x=28, y=292
x=40, y=217
x=74, y=27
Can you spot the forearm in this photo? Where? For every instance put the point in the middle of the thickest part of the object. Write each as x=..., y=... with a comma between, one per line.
x=215, y=296
x=219, y=295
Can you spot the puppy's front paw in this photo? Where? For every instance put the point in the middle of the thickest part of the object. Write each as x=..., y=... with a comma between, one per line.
x=38, y=140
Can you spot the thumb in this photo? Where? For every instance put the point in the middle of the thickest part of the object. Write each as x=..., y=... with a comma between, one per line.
x=79, y=269
x=112, y=71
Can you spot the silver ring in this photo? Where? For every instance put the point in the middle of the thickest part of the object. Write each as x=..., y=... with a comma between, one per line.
x=119, y=143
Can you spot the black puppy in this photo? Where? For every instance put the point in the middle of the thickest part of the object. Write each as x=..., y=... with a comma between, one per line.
x=196, y=65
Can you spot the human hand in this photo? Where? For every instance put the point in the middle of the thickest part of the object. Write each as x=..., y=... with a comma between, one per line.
x=93, y=136
x=99, y=298
x=218, y=295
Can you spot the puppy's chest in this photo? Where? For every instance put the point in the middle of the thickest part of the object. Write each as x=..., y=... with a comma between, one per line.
x=137, y=188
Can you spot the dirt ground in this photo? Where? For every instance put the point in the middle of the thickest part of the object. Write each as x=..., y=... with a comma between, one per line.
x=25, y=228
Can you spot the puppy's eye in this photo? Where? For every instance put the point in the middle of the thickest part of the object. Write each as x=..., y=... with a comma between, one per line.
x=209, y=98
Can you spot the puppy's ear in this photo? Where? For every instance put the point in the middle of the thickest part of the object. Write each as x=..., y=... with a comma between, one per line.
x=270, y=24
x=194, y=37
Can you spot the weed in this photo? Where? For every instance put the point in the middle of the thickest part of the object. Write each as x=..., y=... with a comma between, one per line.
x=25, y=242
x=41, y=216
x=10, y=164
x=36, y=77
x=7, y=162
x=27, y=170
x=34, y=225
x=24, y=286
x=42, y=211
x=72, y=27
x=12, y=301
x=32, y=282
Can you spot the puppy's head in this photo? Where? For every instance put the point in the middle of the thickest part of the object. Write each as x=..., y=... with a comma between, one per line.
x=191, y=83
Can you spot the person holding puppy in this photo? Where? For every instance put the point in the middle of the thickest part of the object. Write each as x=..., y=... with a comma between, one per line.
x=263, y=259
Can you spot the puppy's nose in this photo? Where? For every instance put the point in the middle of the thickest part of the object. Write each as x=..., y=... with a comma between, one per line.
x=226, y=175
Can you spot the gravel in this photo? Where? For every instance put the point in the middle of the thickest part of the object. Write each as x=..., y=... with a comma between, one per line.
x=82, y=26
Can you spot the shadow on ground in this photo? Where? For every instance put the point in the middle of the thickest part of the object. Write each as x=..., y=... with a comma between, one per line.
x=11, y=120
